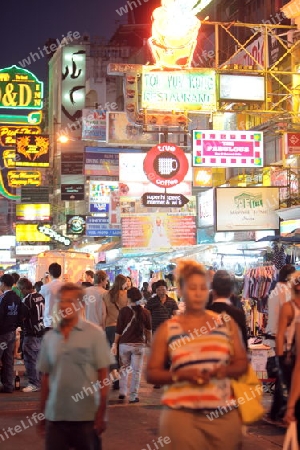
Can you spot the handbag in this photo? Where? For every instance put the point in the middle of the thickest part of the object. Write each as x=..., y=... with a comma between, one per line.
x=291, y=439
x=247, y=391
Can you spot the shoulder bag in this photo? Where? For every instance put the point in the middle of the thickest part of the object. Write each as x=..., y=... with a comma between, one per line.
x=248, y=391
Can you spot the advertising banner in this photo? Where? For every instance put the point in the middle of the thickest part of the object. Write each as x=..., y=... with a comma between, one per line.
x=71, y=163
x=100, y=227
x=232, y=87
x=158, y=231
x=99, y=162
x=94, y=125
x=289, y=226
x=104, y=198
x=292, y=143
x=23, y=250
x=8, y=133
x=247, y=209
x=227, y=148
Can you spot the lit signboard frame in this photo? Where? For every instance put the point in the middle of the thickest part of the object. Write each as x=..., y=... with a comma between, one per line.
x=33, y=212
x=32, y=150
x=215, y=148
x=244, y=88
x=16, y=85
x=178, y=90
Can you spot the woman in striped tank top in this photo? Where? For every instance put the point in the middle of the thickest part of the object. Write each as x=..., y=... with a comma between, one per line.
x=200, y=412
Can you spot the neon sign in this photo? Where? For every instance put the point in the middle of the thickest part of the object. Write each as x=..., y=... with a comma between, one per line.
x=17, y=178
x=8, y=134
x=174, y=33
x=20, y=89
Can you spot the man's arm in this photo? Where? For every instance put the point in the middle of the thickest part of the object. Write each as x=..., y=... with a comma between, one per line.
x=43, y=401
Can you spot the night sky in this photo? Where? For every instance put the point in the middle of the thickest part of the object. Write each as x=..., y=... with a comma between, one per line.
x=25, y=26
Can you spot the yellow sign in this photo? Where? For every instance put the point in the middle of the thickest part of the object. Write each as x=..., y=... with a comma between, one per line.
x=33, y=212
x=32, y=150
x=30, y=233
x=174, y=33
x=9, y=158
x=8, y=134
x=17, y=178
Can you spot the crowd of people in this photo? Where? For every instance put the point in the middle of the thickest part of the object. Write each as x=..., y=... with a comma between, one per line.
x=84, y=338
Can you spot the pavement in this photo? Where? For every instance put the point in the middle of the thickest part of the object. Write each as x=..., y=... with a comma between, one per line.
x=130, y=426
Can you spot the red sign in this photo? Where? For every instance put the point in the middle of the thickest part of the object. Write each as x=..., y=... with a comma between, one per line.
x=292, y=143
x=166, y=165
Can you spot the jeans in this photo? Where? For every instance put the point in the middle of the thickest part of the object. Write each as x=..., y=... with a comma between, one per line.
x=7, y=345
x=131, y=355
x=70, y=435
x=31, y=349
x=110, y=336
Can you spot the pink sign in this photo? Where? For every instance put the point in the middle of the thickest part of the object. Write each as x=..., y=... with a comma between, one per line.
x=214, y=148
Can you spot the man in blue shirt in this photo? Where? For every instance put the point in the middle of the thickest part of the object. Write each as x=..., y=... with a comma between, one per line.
x=74, y=359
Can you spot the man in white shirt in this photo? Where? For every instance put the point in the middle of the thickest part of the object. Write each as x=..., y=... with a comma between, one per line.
x=49, y=292
x=95, y=310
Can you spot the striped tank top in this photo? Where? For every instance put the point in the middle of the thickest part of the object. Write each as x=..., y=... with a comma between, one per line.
x=203, y=351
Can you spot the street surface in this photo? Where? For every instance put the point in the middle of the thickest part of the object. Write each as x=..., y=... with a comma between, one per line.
x=130, y=426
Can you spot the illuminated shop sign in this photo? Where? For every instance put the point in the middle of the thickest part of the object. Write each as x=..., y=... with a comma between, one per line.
x=175, y=30
x=30, y=233
x=76, y=225
x=178, y=90
x=232, y=87
x=52, y=234
x=227, y=148
x=20, y=89
x=8, y=134
x=34, y=212
x=166, y=165
x=17, y=178
x=32, y=151
x=32, y=118
x=247, y=209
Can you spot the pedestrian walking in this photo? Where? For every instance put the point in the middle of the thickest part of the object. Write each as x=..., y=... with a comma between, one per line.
x=49, y=292
x=95, y=309
x=74, y=360
x=33, y=329
x=198, y=345
x=10, y=319
x=133, y=333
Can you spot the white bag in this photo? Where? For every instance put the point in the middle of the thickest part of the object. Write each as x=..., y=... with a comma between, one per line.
x=290, y=440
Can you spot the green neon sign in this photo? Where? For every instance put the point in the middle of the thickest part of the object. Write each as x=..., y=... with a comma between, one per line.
x=20, y=89
x=33, y=118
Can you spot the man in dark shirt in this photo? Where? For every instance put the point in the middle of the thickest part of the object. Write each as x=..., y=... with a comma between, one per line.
x=222, y=287
x=33, y=327
x=161, y=306
x=10, y=318
x=89, y=279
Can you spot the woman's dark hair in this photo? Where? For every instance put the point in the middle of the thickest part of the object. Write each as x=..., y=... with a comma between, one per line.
x=38, y=286
x=134, y=294
x=120, y=280
x=285, y=271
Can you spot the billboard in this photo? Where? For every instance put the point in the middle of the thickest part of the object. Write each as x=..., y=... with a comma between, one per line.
x=33, y=212
x=100, y=227
x=104, y=198
x=94, y=125
x=178, y=90
x=100, y=162
x=247, y=209
x=158, y=232
x=227, y=148
x=289, y=226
